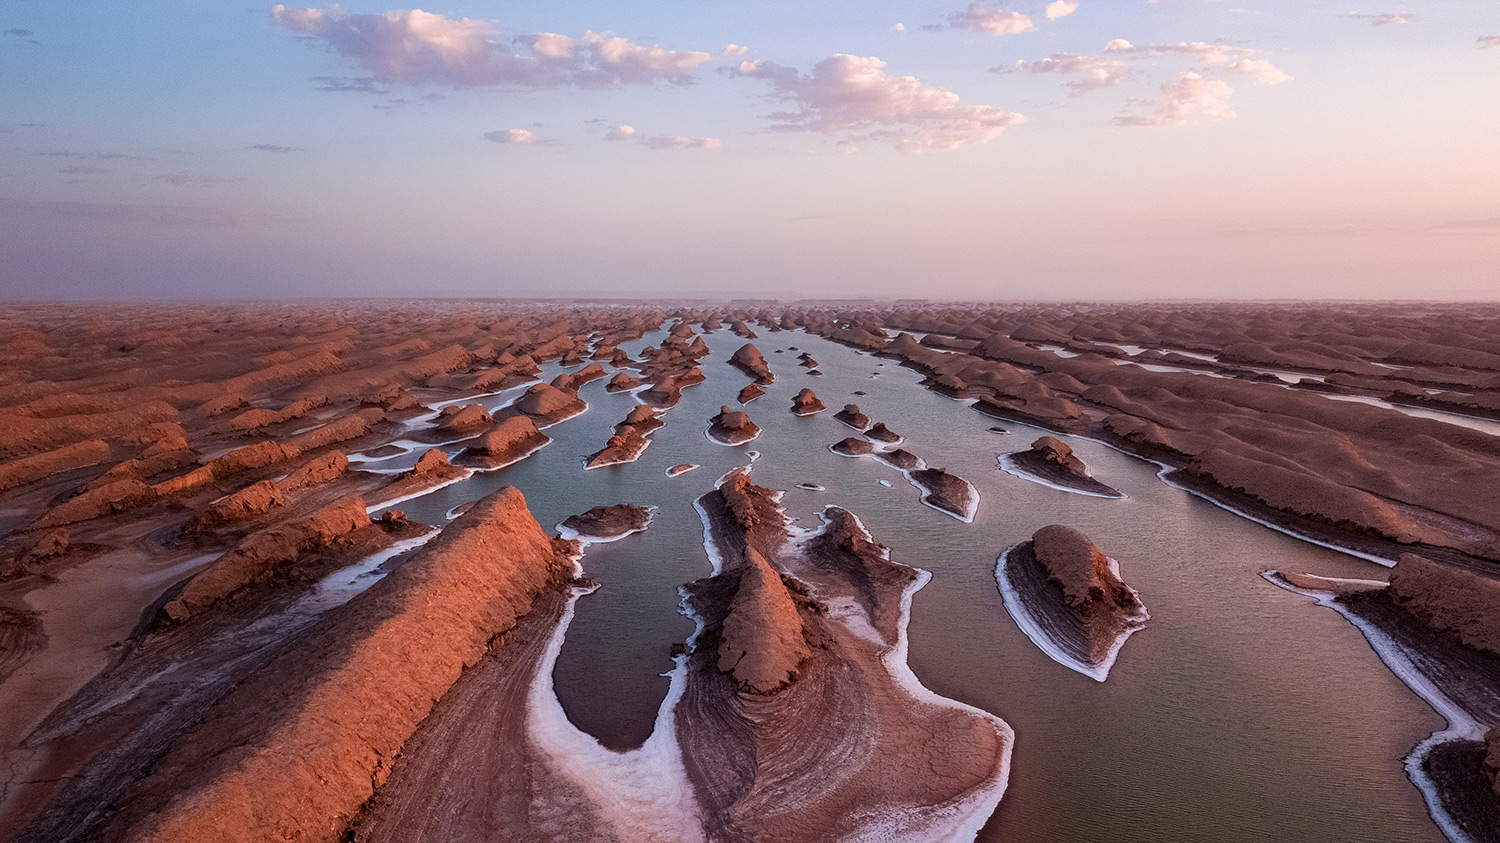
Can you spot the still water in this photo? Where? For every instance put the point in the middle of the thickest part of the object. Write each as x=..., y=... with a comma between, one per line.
x=1241, y=713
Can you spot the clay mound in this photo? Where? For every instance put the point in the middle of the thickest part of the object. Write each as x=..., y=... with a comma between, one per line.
x=243, y=505
x=901, y=458
x=624, y=447
x=510, y=438
x=1059, y=454
x=1082, y=570
x=349, y=427
x=1053, y=462
x=548, y=405
x=751, y=392
x=432, y=462
x=464, y=418
x=807, y=360
x=741, y=329
x=948, y=492
x=98, y=502
x=762, y=643
x=264, y=554
x=852, y=447
x=38, y=466
x=622, y=382
x=806, y=403
x=749, y=360
x=609, y=522
x=851, y=416
x=642, y=417
x=732, y=427
x=880, y=433
x=571, y=382
x=301, y=745
x=1459, y=603
x=664, y=393
x=315, y=472
x=680, y=468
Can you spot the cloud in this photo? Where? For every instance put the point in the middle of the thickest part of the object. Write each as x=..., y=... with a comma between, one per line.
x=621, y=132
x=348, y=84
x=1095, y=71
x=1488, y=41
x=854, y=98
x=271, y=147
x=1261, y=71
x=680, y=142
x=900, y=27
x=1188, y=100
x=1385, y=18
x=1061, y=9
x=181, y=179
x=512, y=137
x=981, y=17
x=24, y=35
x=1211, y=52
x=418, y=47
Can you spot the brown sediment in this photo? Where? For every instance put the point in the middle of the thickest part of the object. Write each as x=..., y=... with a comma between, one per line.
x=511, y=440
x=38, y=466
x=1459, y=603
x=623, y=382
x=263, y=555
x=851, y=446
x=1053, y=462
x=456, y=419
x=751, y=392
x=947, y=492
x=571, y=381
x=806, y=403
x=806, y=360
x=283, y=754
x=1071, y=589
x=851, y=416
x=748, y=359
x=761, y=639
x=900, y=458
x=545, y=404
x=629, y=440
x=680, y=468
x=880, y=433
x=609, y=522
x=763, y=757
x=732, y=427
x=21, y=636
x=431, y=471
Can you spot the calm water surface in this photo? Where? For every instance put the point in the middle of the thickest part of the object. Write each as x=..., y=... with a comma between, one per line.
x=1242, y=712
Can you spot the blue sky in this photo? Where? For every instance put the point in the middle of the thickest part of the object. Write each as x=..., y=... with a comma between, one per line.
x=1178, y=149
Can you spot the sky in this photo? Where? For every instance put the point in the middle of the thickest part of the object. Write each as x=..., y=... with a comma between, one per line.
x=1043, y=151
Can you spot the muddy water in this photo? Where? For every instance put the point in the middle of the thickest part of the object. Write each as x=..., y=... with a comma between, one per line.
x=1242, y=712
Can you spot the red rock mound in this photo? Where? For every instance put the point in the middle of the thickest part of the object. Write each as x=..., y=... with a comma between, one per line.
x=806, y=403
x=300, y=746
x=762, y=642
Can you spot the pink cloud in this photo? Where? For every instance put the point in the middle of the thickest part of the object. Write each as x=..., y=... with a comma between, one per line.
x=1060, y=9
x=1488, y=41
x=420, y=47
x=1385, y=18
x=1204, y=51
x=1188, y=100
x=1094, y=71
x=981, y=17
x=680, y=142
x=512, y=137
x=1260, y=70
x=854, y=98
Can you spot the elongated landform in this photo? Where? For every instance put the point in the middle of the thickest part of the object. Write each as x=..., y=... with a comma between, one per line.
x=1052, y=463
x=1068, y=598
x=605, y=523
x=791, y=634
x=806, y=403
x=1436, y=627
x=215, y=626
x=732, y=427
